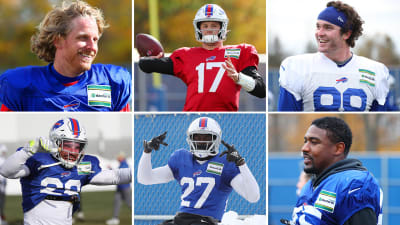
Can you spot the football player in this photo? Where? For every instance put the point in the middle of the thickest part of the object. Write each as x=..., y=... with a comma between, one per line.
x=206, y=177
x=67, y=39
x=341, y=191
x=334, y=78
x=53, y=171
x=213, y=73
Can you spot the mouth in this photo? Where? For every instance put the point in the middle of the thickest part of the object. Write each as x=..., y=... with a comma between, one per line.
x=87, y=56
x=307, y=159
x=322, y=41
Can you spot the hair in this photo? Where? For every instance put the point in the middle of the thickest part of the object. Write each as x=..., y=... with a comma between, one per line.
x=337, y=131
x=57, y=23
x=353, y=23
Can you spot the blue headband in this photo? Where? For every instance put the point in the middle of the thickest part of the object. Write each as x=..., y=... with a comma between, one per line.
x=332, y=15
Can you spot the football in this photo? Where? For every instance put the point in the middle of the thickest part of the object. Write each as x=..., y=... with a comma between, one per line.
x=148, y=45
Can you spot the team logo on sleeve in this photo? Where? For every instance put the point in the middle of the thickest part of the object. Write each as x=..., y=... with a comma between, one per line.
x=367, y=77
x=326, y=201
x=232, y=52
x=342, y=80
x=71, y=106
x=84, y=168
x=215, y=168
x=99, y=95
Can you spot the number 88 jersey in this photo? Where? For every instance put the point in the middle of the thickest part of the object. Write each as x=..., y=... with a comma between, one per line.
x=208, y=86
x=322, y=85
x=205, y=188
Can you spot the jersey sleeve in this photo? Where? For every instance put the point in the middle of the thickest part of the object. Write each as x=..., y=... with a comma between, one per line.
x=230, y=171
x=178, y=59
x=95, y=164
x=173, y=163
x=290, y=77
x=382, y=84
x=249, y=57
x=358, y=195
x=121, y=93
x=11, y=90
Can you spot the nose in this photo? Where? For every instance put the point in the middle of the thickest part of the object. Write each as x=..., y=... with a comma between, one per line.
x=305, y=148
x=92, y=45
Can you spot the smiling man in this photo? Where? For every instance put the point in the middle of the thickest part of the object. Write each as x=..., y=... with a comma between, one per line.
x=334, y=78
x=341, y=191
x=67, y=39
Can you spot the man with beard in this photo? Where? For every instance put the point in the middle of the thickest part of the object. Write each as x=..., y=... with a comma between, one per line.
x=334, y=78
x=206, y=178
x=67, y=39
x=342, y=191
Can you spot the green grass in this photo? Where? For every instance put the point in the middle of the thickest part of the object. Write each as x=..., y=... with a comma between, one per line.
x=97, y=207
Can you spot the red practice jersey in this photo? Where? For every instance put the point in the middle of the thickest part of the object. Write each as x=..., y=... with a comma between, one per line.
x=208, y=86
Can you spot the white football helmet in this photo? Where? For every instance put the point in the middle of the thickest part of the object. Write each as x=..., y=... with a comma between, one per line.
x=68, y=130
x=203, y=149
x=211, y=12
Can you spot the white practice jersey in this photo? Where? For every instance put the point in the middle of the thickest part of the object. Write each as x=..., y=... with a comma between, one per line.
x=323, y=86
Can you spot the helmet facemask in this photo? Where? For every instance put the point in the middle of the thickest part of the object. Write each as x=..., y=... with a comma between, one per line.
x=70, y=152
x=204, y=138
x=211, y=12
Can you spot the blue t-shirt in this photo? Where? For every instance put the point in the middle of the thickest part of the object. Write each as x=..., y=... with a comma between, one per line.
x=42, y=88
x=205, y=187
x=337, y=198
x=55, y=180
x=123, y=164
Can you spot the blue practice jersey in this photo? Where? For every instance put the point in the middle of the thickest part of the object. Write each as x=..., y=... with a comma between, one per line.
x=337, y=198
x=55, y=180
x=42, y=88
x=205, y=187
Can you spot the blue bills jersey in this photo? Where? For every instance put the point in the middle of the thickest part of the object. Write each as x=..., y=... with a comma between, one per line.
x=55, y=180
x=42, y=88
x=205, y=188
x=337, y=198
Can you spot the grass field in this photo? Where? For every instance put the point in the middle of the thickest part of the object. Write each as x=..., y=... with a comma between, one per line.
x=97, y=207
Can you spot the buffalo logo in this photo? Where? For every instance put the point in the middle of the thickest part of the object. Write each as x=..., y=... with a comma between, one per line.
x=65, y=174
x=197, y=173
x=72, y=106
x=342, y=80
x=211, y=58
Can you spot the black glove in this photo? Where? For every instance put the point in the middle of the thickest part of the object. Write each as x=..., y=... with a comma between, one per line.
x=285, y=221
x=154, y=143
x=232, y=155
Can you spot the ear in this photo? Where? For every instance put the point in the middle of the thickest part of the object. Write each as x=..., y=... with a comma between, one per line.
x=340, y=146
x=58, y=42
x=347, y=35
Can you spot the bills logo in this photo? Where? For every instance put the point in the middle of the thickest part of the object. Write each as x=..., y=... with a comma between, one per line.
x=211, y=58
x=197, y=173
x=58, y=124
x=342, y=80
x=72, y=106
x=65, y=174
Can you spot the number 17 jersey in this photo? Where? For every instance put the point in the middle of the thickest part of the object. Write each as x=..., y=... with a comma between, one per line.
x=208, y=86
x=322, y=85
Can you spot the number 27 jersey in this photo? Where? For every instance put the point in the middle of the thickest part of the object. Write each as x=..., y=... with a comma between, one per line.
x=323, y=86
x=208, y=86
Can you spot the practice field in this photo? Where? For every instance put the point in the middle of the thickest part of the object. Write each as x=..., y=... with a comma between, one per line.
x=97, y=206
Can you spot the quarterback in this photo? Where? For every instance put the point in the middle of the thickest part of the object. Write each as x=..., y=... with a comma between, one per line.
x=52, y=172
x=341, y=191
x=67, y=39
x=334, y=78
x=213, y=73
x=206, y=179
